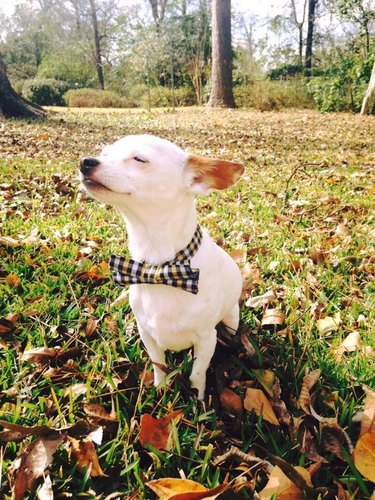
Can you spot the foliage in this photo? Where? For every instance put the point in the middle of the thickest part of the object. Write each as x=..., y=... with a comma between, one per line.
x=344, y=85
x=300, y=224
x=93, y=98
x=269, y=95
x=137, y=96
x=46, y=92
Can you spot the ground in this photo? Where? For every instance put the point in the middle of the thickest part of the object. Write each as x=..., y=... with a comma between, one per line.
x=300, y=224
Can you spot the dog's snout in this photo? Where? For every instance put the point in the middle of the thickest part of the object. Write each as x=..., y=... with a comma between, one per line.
x=88, y=163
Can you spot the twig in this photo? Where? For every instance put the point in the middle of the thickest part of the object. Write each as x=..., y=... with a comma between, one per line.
x=295, y=170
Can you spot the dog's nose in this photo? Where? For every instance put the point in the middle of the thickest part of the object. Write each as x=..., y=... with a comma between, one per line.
x=87, y=164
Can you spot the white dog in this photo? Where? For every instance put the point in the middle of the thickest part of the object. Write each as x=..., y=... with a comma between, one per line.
x=188, y=284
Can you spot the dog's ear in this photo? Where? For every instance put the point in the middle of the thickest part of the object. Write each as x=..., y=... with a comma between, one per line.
x=204, y=174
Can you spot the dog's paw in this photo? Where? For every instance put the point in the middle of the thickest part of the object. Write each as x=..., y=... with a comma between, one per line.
x=199, y=384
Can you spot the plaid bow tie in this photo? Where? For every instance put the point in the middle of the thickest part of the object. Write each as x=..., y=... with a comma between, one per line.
x=176, y=272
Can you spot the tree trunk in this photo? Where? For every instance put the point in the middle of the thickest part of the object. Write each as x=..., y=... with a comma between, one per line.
x=13, y=105
x=98, y=51
x=157, y=14
x=370, y=93
x=221, y=80
x=310, y=33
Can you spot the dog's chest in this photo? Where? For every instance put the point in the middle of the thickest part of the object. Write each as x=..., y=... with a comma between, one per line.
x=173, y=317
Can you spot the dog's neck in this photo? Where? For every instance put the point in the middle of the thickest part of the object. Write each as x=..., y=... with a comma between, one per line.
x=155, y=237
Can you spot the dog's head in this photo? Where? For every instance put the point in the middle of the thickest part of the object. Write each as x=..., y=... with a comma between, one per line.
x=148, y=171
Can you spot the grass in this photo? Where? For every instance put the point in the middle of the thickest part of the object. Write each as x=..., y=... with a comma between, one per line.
x=303, y=214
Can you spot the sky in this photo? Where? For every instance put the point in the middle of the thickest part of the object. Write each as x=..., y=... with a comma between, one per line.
x=259, y=8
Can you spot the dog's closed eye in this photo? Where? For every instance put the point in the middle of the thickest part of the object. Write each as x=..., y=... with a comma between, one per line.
x=141, y=160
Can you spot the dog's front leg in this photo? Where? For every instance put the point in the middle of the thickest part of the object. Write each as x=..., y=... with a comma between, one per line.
x=203, y=352
x=156, y=354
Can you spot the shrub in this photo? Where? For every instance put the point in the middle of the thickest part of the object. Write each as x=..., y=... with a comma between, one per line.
x=94, y=98
x=163, y=97
x=46, y=92
x=268, y=95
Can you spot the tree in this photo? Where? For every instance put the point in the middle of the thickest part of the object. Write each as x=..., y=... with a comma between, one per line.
x=12, y=104
x=299, y=25
x=370, y=93
x=222, y=59
x=158, y=11
x=310, y=33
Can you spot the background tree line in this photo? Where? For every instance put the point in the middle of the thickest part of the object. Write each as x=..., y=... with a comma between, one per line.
x=158, y=53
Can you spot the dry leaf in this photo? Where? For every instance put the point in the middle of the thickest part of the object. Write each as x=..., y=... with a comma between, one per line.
x=261, y=300
x=329, y=324
x=85, y=454
x=169, y=486
x=273, y=317
x=158, y=431
x=8, y=241
x=12, y=280
x=266, y=378
x=278, y=405
x=33, y=462
x=256, y=400
x=351, y=343
x=368, y=419
x=40, y=354
x=239, y=255
x=334, y=438
x=46, y=491
x=308, y=383
x=98, y=412
x=281, y=487
x=364, y=455
x=231, y=402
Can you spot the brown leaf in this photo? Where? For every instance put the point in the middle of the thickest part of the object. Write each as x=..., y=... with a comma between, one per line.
x=99, y=413
x=261, y=300
x=183, y=489
x=12, y=280
x=85, y=454
x=40, y=355
x=36, y=458
x=8, y=241
x=364, y=455
x=239, y=255
x=351, y=343
x=334, y=438
x=256, y=400
x=158, y=431
x=90, y=327
x=278, y=405
x=368, y=419
x=308, y=383
x=281, y=487
x=328, y=324
x=231, y=402
x=273, y=317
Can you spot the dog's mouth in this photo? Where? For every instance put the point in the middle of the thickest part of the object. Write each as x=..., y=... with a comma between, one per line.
x=92, y=184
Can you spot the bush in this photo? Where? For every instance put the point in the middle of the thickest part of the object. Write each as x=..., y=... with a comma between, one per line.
x=46, y=92
x=137, y=96
x=266, y=95
x=94, y=98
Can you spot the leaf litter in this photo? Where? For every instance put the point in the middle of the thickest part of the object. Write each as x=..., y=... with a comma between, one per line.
x=303, y=292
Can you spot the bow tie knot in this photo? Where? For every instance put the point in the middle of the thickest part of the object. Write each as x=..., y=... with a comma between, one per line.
x=176, y=273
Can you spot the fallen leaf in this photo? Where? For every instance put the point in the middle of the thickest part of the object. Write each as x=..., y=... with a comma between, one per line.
x=304, y=400
x=261, y=300
x=167, y=487
x=364, y=455
x=368, y=418
x=273, y=317
x=84, y=452
x=328, y=324
x=158, y=431
x=281, y=487
x=46, y=491
x=8, y=241
x=40, y=354
x=33, y=462
x=334, y=438
x=351, y=343
x=266, y=378
x=99, y=413
x=183, y=489
x=239, y=255
x=278, y=405
x=256, y=400
x=231, y=402
x=12, y=280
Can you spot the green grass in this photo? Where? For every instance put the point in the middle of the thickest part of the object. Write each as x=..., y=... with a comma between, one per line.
x=306, y=199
